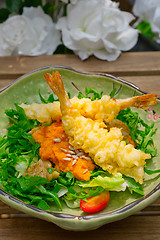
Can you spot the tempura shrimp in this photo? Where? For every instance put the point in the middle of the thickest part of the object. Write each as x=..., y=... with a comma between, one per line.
x=105, y=108
x=106, y=148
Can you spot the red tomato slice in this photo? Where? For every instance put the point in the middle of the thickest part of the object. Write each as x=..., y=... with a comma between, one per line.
x=96, y=203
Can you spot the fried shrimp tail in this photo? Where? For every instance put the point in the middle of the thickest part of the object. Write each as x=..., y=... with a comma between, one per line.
x=139, y=101
x=54, y=80
x=105, y=147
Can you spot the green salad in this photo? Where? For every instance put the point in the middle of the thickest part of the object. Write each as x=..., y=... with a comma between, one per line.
x=18, y=150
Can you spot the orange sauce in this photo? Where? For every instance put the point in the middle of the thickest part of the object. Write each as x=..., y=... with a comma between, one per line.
x=57, y=152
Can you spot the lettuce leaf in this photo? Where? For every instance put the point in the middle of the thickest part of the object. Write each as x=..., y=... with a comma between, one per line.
x=113, y=183
x=134, y=186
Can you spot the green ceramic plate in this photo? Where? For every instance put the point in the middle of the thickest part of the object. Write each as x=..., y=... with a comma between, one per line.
x=122, y=204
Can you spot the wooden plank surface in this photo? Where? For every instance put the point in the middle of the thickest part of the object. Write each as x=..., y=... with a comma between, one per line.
x=129, y=229
x=145, y=82
x=141, y=69
x=132, y=64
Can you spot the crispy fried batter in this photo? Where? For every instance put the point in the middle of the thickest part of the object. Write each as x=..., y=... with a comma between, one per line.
x=105, y=108
x=105, y=147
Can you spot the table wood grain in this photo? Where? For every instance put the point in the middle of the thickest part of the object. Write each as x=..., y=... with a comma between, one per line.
x=141, y=69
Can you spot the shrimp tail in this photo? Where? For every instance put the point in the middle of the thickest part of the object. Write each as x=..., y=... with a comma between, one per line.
x=55, y=82
x=139, y=101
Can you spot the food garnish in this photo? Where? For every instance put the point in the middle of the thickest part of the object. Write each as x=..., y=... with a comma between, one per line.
x=96, y=203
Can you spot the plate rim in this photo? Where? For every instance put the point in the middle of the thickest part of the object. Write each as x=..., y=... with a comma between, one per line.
x=77, y=71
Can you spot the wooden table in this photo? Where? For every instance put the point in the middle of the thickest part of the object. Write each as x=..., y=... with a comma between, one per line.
x=142, y=69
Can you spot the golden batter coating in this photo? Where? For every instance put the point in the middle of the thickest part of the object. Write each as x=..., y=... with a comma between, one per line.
x=105, y=108
x=106, y=148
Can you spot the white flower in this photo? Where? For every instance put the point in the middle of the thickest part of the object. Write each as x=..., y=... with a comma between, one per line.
x=32, y=33
x=12, y=34
x=97, y=27
x=149, y=10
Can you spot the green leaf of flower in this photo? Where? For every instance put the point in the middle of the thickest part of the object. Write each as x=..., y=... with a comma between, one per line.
x=145, y=28
x=32, y=3
x=13, y=5
x=4, y=13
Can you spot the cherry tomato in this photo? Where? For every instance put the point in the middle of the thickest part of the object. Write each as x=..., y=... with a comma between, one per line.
x=96, y=203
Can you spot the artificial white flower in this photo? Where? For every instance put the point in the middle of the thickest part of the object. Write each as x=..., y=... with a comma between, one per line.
x=32, y=33
x=149, y=10
x=12, y=33
x=97, y=27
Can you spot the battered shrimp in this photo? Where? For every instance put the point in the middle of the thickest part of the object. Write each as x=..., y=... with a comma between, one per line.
x=106, y=148
x=105, y=108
